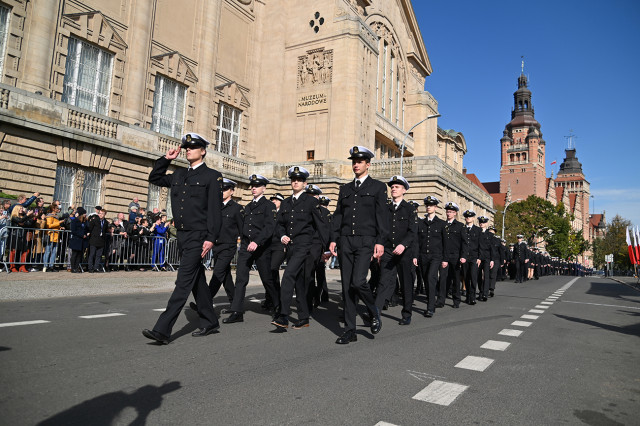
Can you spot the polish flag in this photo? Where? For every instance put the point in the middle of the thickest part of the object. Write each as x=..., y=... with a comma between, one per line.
x=552, y=163
x=632, y=255
x=637, y=241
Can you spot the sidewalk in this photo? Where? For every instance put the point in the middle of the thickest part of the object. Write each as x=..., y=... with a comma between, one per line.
x=45, y=285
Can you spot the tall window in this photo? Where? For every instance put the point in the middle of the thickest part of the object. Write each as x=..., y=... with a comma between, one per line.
x=398, y=100
x=91, y=190
x=391, y=81
x=87, y=77
x=168, y=107
x=229, y=120
x=384, y=77
x=153, y=197
x=63, y=191
x=4, y=30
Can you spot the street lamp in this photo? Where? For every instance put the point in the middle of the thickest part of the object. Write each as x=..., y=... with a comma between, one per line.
x=504, y=213
x=406, y=135
x=593, y=204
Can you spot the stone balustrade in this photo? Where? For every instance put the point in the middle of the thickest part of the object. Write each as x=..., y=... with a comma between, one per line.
x=92, y=123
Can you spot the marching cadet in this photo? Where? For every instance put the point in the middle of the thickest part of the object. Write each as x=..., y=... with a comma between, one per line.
x=511, y=266
x=521, y=258
x=502, y=272
x=498, y=260
x=255, y=246
x=537, y=265
x=399, y=248
x=431, y=251
x=470, y=257
x=226, y=245
x=316, y=256
x=451, y=266
x=321, y=273
x=485, y=251
x=197, y=210
x=278, y=253
x=300, y=222
x=416, y=271
x=359, y=230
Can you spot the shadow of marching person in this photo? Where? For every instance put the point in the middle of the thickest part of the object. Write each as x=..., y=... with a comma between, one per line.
x=104, y=409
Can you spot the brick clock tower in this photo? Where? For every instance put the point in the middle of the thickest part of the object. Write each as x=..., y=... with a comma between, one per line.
x=522, y=171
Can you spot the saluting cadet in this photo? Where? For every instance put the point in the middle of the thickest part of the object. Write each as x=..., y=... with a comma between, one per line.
x=485, y=251
x=497, y=260
x=431, y=251
x=226, y=245
x=521, y=258
x=196, y=200
x=255, y=246
x=399, y=248
x=451, y=266
x=359, y=230
x=299, y=222
x=470, y=256
x=278, y=253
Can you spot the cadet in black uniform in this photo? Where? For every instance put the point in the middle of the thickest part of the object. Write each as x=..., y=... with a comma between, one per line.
x=359, y=230
x=485, y=254
x=197, y=204
x=314, y=264
x=399, y=249
x=470, y=256
x=450, y=274
x=321, y=273
x=278, y=253
x=431, y=251
x=521, y=258
x=299, y=222
x=497, y=260
x=255, y=245
x=226, y=245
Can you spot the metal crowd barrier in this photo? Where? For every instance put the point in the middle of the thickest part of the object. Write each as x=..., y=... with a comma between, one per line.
x=30, y=249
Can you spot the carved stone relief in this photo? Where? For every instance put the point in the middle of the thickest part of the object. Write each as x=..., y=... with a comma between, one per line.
x=315, y=68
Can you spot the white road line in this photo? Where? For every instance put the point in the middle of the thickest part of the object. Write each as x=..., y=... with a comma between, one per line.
x=160, y=310
x=13, y=324
x=541, y=307
x=510, y=332
x=475, y=363
x=569, y=284
x=533, y=317
x=495, y=345
x=601, y=304
x=384, y=424
x=536, y=311
x=441, y=393
x=552, y=298
x=546, y=303
x=115, y=314
x=521, y=323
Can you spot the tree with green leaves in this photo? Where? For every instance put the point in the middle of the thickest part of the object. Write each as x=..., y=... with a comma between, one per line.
x=614, y=242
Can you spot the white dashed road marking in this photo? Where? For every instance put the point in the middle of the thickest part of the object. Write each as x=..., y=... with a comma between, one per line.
x=536, y=311
x=384, y=424
x=13, y=324
x=547, y=303
x=541, y=307
x=521, y=323
x=115, y=314
x=441, y=393
x=531, y=317
x=495, y=345
x=475, y=363
x=510, y=332
x=602, y=304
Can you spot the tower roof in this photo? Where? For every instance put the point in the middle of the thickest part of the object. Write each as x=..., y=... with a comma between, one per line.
x=570, y=163
x=522, y=114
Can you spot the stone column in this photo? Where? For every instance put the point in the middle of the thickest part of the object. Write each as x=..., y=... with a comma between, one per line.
x=40, y=36
x=139, y=35
x=207, y=68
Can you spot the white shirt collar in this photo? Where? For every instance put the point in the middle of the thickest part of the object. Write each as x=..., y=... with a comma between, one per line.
x=258, y=199
x=197, y=165
x=361, y=179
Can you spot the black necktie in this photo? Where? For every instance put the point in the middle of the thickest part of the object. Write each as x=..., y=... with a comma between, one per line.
x=395, y=207
x=293, y=200
x=189, y=170
x=358, y=183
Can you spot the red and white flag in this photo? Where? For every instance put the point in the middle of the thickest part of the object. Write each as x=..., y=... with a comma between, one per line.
x=552, y=163
x=632, y=254
x=636, y=233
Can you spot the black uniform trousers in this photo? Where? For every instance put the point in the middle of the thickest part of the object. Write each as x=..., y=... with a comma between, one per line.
x=262, y=257
x=278, y=254
x=450, y=279
x=355, y=253
x=521, y=270
x=321, y=280
x=222, y=257
x=392, y=266
x=470, y=274
x=484, y=277
x=493, y=275
x=313, y=288
x=190, y=279
x=429, y=268
x=296, y=277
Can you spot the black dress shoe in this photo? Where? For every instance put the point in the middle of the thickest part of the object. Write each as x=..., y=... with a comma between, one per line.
x=405, y=321
x=281, y=322
x=428, y=314
x=456, y=306
x=234, y=317
x=201, y=332
x=348, y=337
x=484, y=298
x=301, y=324
x=376, y=322
x=154, y=335
x=366, y=318
x=193, y=306
x=473, y=302
x=491, y=293
x=439, y=305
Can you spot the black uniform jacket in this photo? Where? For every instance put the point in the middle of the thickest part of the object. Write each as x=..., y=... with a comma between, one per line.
x=303, y=221
x=362, y=211
x=98, y=233
x=496, y=256
x=232, y=221
x=431, y=238
x=259, y=221
x=520, y=251
x=453, y=241
x=470, y=243
x=403, y=224
x=485, y=245
x=196, y=200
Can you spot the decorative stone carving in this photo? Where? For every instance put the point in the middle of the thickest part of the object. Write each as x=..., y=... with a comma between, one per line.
x=315, y=68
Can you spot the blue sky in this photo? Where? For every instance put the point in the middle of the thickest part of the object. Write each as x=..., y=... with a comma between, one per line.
x=583, y=63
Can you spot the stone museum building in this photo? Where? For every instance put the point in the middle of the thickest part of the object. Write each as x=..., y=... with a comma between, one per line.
x=92, y=92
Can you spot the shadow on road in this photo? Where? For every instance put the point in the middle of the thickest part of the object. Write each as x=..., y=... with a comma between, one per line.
x=104, y=409
x=4, y=348
x=614, y=290
x=594, y=418
x=631, y=330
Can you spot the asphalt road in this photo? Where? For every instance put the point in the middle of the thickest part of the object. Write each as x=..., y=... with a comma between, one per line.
x=573, y=362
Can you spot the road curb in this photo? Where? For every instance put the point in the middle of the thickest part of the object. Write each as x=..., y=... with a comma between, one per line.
x=630, y=285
